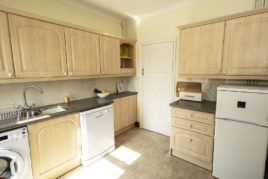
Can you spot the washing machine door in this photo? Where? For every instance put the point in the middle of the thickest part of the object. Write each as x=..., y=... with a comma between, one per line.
x=11, y=164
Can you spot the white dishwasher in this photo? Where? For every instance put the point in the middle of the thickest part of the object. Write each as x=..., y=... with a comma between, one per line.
x=97, y=133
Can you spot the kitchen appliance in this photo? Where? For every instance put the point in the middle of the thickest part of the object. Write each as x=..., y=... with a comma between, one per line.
x=15, y=160
x=241, y=132
x=97, y=133
x=189, y=91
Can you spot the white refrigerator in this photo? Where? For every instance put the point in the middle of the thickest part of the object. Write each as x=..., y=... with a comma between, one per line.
x=241, y=133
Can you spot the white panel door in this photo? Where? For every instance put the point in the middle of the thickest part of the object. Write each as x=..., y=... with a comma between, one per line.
x=157, y=85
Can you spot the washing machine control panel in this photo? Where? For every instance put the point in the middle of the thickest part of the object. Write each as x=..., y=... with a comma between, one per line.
x=13, y=135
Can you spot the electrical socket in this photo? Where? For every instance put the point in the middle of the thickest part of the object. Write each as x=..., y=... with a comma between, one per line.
x=88, y=84
x=206, y=86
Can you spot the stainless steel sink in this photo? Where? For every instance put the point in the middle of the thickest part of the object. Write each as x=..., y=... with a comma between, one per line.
x=30, y=113
x=27, y=115
x=53, y=110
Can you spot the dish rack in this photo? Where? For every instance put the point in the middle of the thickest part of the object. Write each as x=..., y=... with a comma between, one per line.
x=10, y=111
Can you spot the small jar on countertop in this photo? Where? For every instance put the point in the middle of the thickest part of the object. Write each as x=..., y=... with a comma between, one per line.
x=67, y=99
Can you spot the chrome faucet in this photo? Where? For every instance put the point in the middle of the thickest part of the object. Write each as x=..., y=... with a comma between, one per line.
x=26, y=106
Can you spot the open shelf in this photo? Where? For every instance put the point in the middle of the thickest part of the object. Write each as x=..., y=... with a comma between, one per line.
x=127, y=55
x=127, y=58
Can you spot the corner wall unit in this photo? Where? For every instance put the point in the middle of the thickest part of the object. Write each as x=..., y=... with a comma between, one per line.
x=127, y=57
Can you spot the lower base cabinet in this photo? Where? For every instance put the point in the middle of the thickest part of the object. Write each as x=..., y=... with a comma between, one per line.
x=125, y=113
x=193, y=147
x=192, y=136
x=55, y=146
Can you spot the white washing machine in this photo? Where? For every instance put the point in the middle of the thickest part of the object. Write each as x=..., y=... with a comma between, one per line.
x=15, y=160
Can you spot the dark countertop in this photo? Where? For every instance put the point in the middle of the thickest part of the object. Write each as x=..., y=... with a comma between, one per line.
x=73, y=107
x=121, y=95
x=204, y=106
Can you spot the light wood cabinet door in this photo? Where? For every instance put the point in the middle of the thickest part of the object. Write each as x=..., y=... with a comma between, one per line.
x=246, y=46
x=38, y=47
x=110, y=55
x=117, y=115
x=82, y=52
x=131, y=103
x=191, y=146
x=125, y=112
x=6, y=63
x=55, y=146
x=201, y=49
x=128, y=110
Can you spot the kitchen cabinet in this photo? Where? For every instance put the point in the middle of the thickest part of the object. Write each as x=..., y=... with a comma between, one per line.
x=125, y=113
x=109, y=55
x=55, y=146
x=230, y=47
x=246, y=46
x=38, y=48
x=201, y=49
x=117, y=115
x=192, y=135
x=35, y=48
x=127, y=57
x=6, y=63
x=82, y=52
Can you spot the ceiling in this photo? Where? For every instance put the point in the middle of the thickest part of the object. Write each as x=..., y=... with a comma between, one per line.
x=129, y=10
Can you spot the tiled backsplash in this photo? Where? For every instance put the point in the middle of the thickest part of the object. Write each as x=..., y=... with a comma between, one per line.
x=209, y=87
x=55, y=91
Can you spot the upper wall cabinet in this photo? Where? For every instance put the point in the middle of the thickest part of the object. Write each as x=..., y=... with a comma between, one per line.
x=6, y=64
x=127, y=57
x=246, y=46
x=110, y=55
x=201, y=49
x=82, y=52
x=38, y=47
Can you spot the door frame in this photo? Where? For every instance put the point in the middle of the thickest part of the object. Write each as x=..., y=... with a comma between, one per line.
x=141, y=64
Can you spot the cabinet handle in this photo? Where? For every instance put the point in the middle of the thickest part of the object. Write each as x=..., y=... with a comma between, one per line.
x=71, y=73
x=9, y=74
x=191, y=115
x=191, y=125
x=65, y=73
x=190, y=140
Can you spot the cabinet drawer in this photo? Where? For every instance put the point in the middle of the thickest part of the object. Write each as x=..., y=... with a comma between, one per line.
x=193, y=126
x=202, y=117
x=196, y=146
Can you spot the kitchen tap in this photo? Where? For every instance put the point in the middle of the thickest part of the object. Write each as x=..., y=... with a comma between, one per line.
x=26, y=106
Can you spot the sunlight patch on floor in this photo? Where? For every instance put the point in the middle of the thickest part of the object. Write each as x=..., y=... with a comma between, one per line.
x=100, y=169
x=125, y=154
